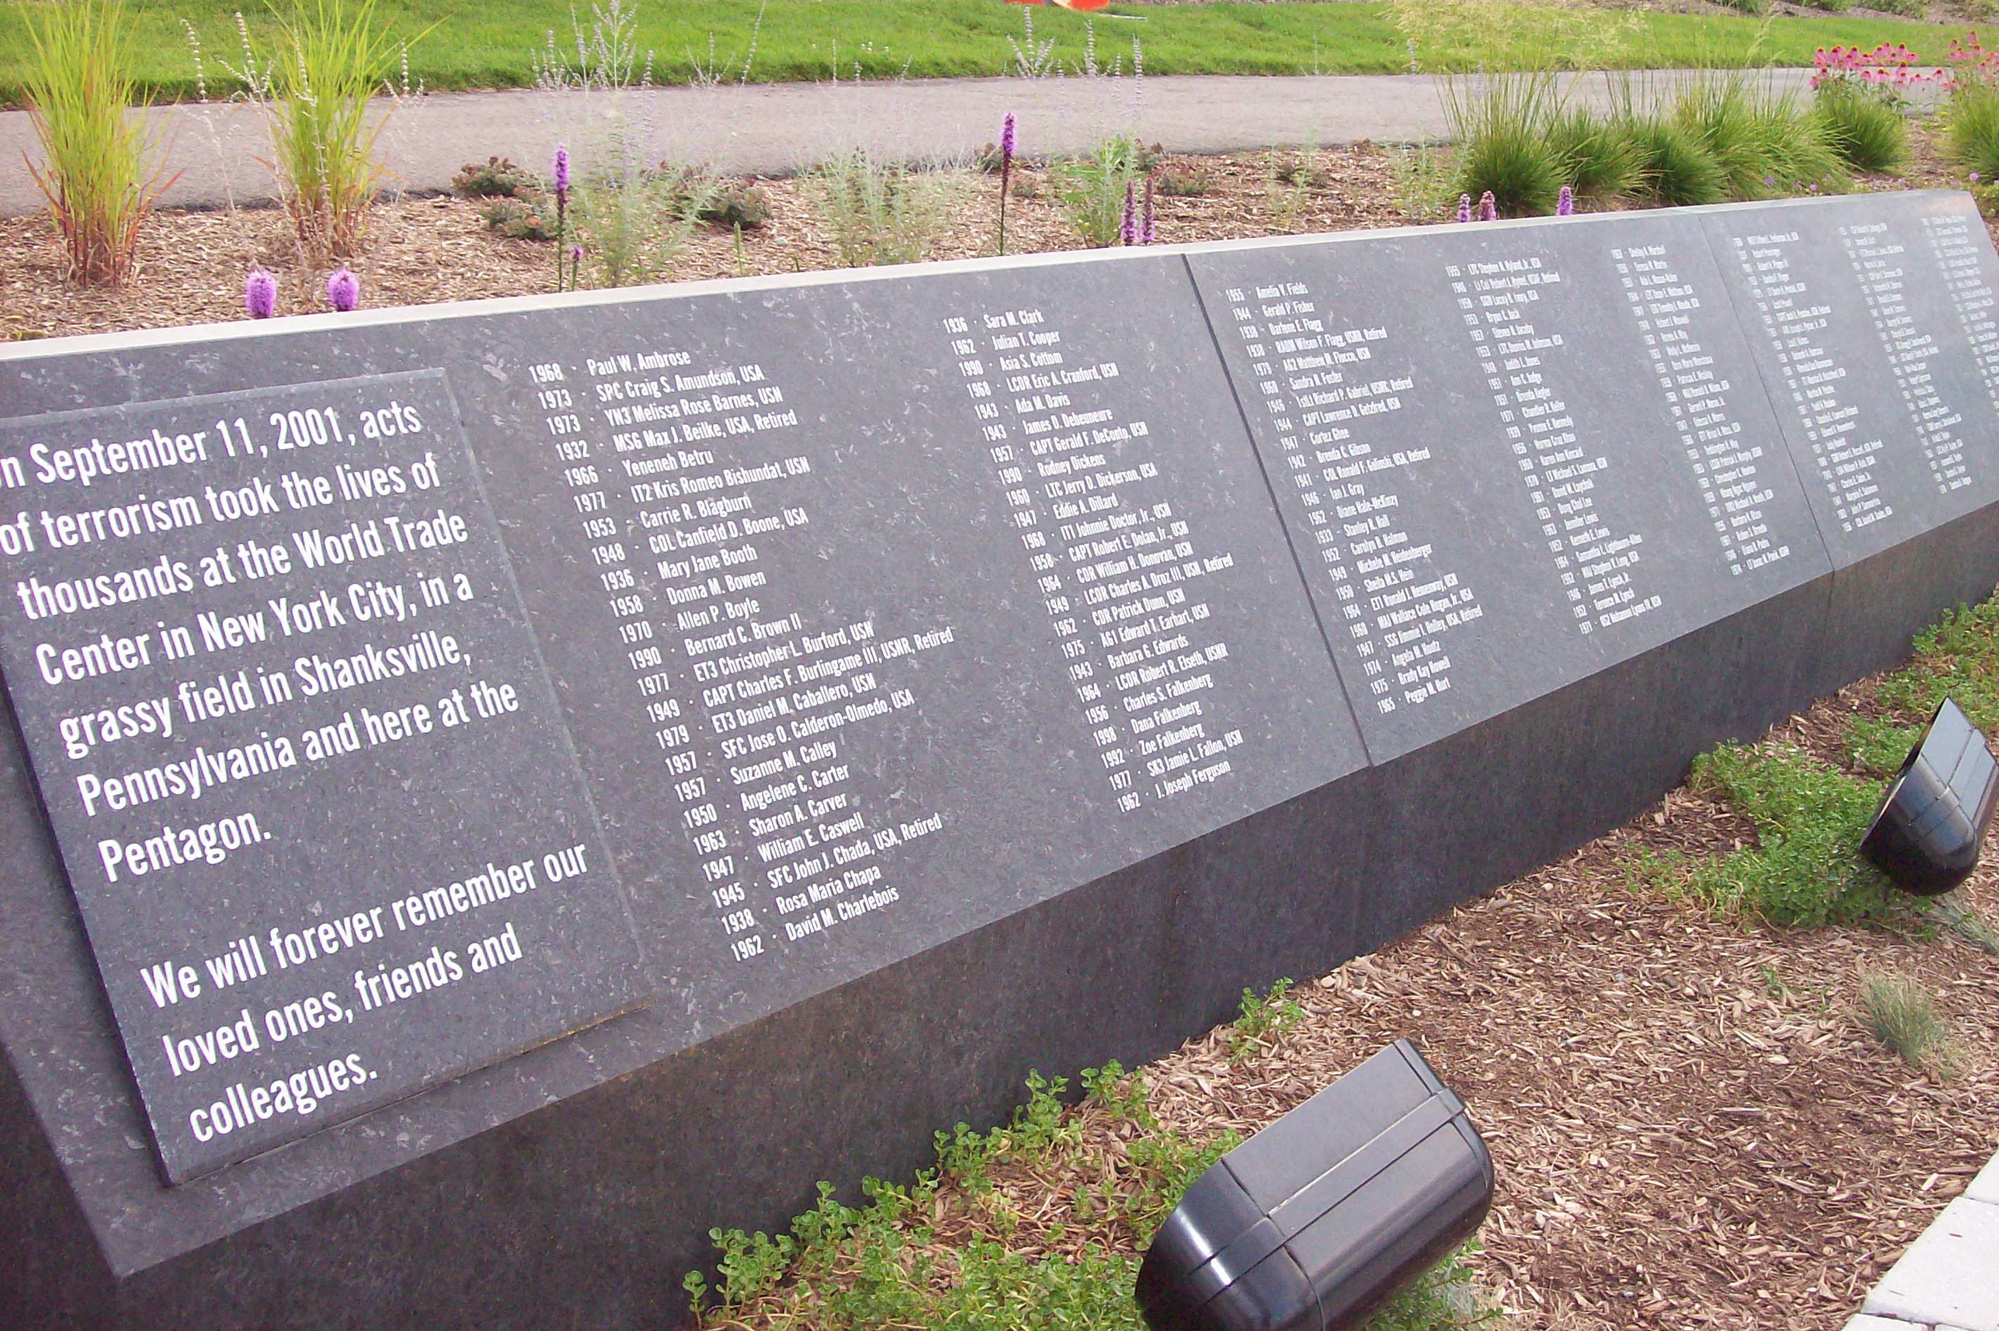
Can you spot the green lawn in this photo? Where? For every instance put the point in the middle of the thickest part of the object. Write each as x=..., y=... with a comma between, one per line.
x=492, y=44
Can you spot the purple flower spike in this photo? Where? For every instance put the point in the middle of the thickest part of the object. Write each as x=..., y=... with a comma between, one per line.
x=1565, y=203
x=1147, y=233
x=1488, y=207
x=260, y=294
x=343, y=291
x=1128, y=231
x=1464, y=207
x=1006, y=139
x=576, y=254
x=561, y=169
x=1974, y=177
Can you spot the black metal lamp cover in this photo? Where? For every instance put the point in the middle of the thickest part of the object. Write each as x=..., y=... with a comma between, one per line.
x=1317, y=1219
x=1933, y=817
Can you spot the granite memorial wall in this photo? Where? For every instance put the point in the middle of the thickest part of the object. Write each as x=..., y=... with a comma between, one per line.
x=494, y=791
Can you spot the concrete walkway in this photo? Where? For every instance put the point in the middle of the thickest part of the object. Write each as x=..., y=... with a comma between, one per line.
x=1949, y=1278
x=776, y=129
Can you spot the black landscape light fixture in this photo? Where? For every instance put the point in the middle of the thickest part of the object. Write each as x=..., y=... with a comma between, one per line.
x=1313, y=1222
x=1933, y=817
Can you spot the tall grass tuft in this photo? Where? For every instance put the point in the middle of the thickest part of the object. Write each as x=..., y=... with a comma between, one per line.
x=100, y=170
x=1674, y=166
x=883, y=212
x=1869, y=132
x=1971, y=127
x=1091, y=189
x=1597, y=158
x=1502, y=144
x=332, y=59
x=1764, y=142
x=1902, y=1015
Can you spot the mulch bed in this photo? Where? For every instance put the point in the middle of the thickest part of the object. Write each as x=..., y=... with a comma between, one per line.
x=1690, y=1125
x=190, y=265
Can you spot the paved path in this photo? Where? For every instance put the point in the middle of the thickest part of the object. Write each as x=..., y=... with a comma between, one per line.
x=1949, y=1278
x=775, y=129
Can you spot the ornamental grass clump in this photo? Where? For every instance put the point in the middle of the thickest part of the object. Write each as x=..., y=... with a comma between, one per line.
x=315, y=97
x=1597, y=159
x=1674, y=167
x=1764, y=142
x=1971, y=114
x=99, y=168
x=1861, y=99
x=1504, y=150
x=1902, y=1015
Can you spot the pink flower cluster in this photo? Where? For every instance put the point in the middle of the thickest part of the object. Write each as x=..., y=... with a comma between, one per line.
x=1970, y=60
x=1888, y=66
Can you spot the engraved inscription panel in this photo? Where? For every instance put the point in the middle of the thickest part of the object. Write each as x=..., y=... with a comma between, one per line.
x=909, y=603
x=317, y=806
x=1871, y=321
x=1546, y=451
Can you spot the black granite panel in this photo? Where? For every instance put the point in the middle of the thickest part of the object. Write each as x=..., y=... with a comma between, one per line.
x=1875, y=322
x=1047, y=911
x=1568, y=766
x=606, y=1196
x=292, y=730
x=959, y=590
x=939, y=692
x=1508, y=455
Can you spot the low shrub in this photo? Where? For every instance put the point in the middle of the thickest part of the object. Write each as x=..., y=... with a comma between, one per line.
x=633, y=223
x=1805, y=870
x=882, y=212
x=1184, y=182
x=1423, y=179
x=530, y=216
x=494, y=178
x=737, y=206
